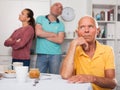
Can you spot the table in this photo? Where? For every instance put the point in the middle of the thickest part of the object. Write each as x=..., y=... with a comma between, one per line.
x=46, y=82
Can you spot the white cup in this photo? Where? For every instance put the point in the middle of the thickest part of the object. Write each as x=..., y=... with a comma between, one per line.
x=17, y=64
x=21, y=73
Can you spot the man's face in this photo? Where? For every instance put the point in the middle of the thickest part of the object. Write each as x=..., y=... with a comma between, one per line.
x=56, y=9
x=87, y=29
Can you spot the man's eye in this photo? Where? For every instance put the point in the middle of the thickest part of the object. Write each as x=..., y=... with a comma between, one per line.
x=90, y=26
x=82, y=27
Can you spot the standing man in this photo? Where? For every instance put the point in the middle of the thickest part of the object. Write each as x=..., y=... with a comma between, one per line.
x=50, y=36
x=88, y=61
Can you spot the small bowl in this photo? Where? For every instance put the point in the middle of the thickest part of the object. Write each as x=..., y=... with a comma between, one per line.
x=10, y=74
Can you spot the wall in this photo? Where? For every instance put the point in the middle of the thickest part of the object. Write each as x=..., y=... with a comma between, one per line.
x=80, y=8
x=10, y=10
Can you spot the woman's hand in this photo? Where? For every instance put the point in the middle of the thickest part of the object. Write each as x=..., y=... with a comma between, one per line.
x=18, y=40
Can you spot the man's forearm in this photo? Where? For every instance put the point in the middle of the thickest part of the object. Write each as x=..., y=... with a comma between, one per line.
x=68, y=63
x=105, y=82
x=45, y=34
x=56, y=40
x=41, y=33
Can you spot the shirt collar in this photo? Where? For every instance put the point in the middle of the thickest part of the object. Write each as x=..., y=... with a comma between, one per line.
x=57, y=20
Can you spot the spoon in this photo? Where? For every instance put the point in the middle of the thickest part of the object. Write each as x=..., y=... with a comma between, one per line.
x=36, y=81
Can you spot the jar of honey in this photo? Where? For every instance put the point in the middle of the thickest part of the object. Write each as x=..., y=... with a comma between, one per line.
x=34, y=73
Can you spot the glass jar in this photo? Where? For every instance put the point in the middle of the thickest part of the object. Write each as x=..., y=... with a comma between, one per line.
x=34, y=73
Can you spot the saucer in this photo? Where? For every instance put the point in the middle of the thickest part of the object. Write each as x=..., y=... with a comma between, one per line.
x=9, y=75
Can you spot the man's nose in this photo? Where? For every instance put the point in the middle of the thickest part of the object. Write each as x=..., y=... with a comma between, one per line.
x=86, y=29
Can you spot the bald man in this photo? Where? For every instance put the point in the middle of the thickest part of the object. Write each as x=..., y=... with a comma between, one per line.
x=88, y=61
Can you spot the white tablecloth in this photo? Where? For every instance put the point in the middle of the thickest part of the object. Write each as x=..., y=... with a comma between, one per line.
x=46, y=82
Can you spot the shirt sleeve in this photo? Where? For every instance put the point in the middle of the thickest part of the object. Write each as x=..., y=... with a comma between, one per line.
x=10, y=42
x=25, y=38
x=61, y=27
x=110, y=64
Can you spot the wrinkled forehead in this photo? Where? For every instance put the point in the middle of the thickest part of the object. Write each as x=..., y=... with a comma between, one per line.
x=86, y=21
x=57, y=4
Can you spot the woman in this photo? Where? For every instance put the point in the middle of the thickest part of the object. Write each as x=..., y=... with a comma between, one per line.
x=21, y=39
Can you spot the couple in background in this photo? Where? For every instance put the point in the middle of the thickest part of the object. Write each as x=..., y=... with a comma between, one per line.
x=49, y=32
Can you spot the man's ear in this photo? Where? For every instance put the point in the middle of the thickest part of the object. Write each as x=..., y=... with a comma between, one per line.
x=98, y=31
x=76, y=31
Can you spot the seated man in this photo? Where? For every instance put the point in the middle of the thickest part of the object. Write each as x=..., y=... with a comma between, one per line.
x=88, y=61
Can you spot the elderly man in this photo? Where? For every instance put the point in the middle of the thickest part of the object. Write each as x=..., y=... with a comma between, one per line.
x=87, y=60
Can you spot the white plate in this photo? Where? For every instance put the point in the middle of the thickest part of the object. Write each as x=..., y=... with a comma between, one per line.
x=10, y=75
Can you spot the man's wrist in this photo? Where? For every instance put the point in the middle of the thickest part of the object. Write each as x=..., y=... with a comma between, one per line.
x=94, y=79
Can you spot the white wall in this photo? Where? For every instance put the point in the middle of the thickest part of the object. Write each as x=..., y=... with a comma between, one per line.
x=80, y=8
x=10, y=10
x=9, y=17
